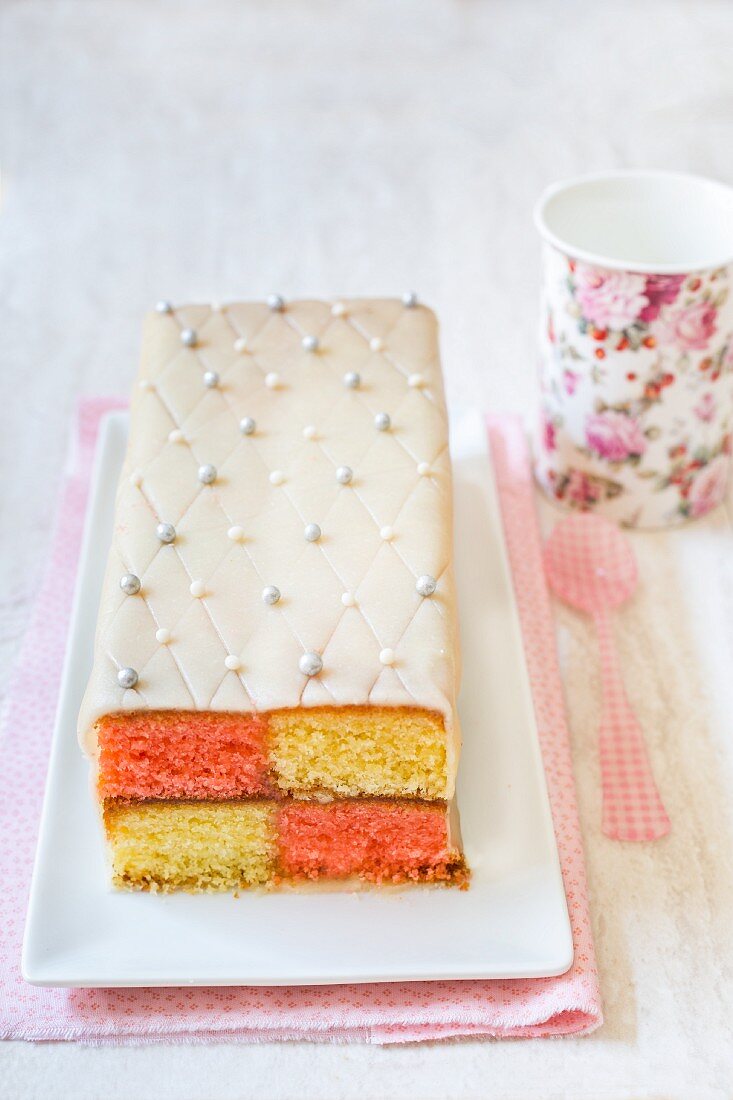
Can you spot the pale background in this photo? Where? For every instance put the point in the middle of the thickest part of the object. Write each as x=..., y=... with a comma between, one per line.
x=216, y=149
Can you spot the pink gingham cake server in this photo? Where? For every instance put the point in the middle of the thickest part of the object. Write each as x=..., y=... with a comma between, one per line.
x=591, y=566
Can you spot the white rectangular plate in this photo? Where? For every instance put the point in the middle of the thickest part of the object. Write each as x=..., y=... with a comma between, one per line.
x=512, y=922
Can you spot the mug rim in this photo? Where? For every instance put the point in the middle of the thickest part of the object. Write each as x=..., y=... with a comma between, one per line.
x=597, y=259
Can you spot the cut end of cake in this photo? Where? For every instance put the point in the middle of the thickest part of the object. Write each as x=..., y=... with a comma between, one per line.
x=182, y=754
x=377, y=840
x=399, y=752
x=213, y=846
x=193, y=846
x=394, y=752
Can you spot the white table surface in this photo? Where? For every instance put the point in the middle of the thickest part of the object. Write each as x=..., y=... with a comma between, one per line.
x=224, y=148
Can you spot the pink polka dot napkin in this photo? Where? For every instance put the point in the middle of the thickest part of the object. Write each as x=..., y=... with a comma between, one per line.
x=386, y=1013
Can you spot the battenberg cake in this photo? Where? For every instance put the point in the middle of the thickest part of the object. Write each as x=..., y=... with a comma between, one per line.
x=273, y=694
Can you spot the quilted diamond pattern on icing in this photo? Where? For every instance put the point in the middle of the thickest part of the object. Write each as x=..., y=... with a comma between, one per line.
x=391, y=487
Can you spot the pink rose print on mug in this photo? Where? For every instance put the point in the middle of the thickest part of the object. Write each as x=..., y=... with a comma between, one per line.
x=705, y=408
x=708, y=488
x=570, y=381
x=659, y=290
x=615, y=308
x=614, y=436
x=609, y=299
x=548, y=431
x=580, y=490
x=690, y=327
x=698, y=476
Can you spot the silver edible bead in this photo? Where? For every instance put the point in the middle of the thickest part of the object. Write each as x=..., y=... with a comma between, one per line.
x=312, y=532
x=166, y=532
x=276, y=302
x=344, y=474
x=189, y=337
x=409, y=300
x=426, y=585
x=130, y=584
x=163, y=306
x=382, y=422
x=352, y=380
x=247, y=425
x=211, y=379
x=271, y=594
x=127, y=677
x=309, y=343
x=310, y=664
x=207, y=474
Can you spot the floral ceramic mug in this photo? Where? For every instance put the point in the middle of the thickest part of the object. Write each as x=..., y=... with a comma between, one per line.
x=636, y=345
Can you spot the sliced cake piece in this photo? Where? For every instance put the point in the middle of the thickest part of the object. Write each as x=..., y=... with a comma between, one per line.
x=214, y=845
